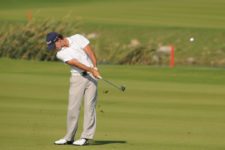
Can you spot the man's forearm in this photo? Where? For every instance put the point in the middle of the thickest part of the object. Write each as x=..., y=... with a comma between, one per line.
x=91, y=55
x=79, y=65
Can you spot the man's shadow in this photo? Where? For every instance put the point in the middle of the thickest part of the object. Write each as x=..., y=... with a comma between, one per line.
x=104, y=142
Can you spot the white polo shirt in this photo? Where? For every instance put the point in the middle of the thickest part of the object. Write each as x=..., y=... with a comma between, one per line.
x=77, y=43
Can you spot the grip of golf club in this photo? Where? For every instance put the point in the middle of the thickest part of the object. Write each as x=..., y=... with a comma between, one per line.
x=99, y=77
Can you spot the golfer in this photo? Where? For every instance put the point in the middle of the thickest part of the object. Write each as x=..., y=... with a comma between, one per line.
x=77, y=53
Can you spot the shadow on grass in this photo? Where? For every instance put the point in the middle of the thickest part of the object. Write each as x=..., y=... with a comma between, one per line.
x=104, y=142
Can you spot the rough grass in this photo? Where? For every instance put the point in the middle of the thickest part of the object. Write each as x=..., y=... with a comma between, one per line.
x=162, y=108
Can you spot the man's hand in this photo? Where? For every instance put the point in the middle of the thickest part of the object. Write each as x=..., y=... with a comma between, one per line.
x=95, y=73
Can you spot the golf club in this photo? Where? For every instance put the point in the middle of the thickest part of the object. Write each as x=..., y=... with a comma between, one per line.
x=121, y=88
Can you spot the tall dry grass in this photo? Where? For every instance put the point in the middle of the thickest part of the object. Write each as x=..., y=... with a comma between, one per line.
x=27, y=41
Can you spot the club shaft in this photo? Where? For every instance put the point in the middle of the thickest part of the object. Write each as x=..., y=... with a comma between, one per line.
x=116, y=86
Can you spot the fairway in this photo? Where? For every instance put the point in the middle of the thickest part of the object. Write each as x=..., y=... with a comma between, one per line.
x=162, y=108
x=170, y=13
x=180, y=108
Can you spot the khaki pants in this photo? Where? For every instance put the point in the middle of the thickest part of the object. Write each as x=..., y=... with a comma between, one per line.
x=81, y=87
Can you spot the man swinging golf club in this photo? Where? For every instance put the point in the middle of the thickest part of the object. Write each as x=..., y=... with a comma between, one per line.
x=76, y=52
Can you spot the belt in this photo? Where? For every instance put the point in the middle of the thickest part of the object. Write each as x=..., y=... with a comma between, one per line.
x=84, y=74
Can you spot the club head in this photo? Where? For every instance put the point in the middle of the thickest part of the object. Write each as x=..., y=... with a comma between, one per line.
x=123, y=88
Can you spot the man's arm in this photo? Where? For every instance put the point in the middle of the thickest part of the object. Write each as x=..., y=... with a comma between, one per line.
x=91, y=55
x=74, y=62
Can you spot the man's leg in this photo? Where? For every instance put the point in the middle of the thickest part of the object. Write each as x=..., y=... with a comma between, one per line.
x=76, y=91
x=90, y=99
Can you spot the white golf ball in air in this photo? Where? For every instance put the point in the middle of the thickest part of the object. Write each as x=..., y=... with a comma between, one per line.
x=191, y=39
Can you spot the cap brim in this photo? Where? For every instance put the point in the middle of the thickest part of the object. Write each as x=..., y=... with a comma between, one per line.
x=51, y=46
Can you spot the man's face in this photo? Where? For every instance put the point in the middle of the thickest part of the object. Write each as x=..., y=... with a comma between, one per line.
x=59, y=44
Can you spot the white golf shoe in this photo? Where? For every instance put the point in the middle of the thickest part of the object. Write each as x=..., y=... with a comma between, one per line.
x=80, y=142
x=63, y=142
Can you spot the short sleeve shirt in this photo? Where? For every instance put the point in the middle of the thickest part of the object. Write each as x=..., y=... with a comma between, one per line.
x=77, y=43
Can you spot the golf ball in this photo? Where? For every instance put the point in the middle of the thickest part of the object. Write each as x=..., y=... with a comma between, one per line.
x=191, y=39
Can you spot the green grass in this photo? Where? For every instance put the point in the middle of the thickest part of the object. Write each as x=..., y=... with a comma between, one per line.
x=162, y=108
x=187, y=13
